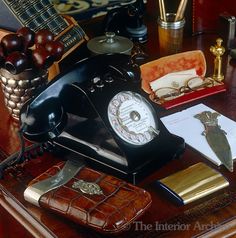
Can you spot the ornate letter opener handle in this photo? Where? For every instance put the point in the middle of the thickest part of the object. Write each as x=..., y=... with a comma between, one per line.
x=216, y=138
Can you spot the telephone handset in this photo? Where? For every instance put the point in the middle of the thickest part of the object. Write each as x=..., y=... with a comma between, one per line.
x=97, y=109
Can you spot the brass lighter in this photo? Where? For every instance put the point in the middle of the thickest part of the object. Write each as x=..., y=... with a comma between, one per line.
x=193, y=183
x=218, y=50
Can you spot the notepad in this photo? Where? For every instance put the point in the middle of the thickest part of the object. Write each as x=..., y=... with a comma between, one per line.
x=185, y=125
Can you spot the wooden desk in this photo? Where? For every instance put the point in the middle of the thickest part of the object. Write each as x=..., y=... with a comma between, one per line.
x=165, y=218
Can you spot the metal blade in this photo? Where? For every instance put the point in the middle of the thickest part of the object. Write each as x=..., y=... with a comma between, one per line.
x=219, y=144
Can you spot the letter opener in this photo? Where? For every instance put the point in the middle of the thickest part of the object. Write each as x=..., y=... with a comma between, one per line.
x=216, y=138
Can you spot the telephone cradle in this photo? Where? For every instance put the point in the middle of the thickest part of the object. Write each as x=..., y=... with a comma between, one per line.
x=98, y=110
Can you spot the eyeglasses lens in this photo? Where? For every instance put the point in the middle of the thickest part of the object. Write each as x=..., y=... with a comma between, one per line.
x=167, y=93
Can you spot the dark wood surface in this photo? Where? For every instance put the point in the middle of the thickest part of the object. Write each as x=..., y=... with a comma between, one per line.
x=212, y=216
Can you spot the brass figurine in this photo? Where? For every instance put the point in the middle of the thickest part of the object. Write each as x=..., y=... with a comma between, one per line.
x=218, y=50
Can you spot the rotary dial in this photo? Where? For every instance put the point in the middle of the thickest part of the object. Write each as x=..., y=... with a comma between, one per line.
x=132, y=118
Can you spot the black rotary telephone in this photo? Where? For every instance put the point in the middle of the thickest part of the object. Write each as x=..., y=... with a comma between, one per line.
x=97, y=109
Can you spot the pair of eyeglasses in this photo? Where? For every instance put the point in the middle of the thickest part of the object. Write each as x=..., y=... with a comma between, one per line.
x=192, y=84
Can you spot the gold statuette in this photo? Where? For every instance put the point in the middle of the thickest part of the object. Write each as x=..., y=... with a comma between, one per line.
x=193, y=183
x=218, y=50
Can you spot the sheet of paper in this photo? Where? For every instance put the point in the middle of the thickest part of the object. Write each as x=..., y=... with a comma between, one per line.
x=174, y=80
x=185, y=125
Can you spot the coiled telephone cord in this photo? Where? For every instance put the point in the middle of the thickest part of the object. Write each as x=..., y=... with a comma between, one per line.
x=25, y=153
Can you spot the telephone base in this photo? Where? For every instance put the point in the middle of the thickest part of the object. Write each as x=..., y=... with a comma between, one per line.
x=134, y=175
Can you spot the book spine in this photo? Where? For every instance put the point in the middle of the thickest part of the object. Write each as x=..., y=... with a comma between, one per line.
x=37, y=14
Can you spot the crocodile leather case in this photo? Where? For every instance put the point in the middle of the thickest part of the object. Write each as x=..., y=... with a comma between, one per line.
x=113, y=207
